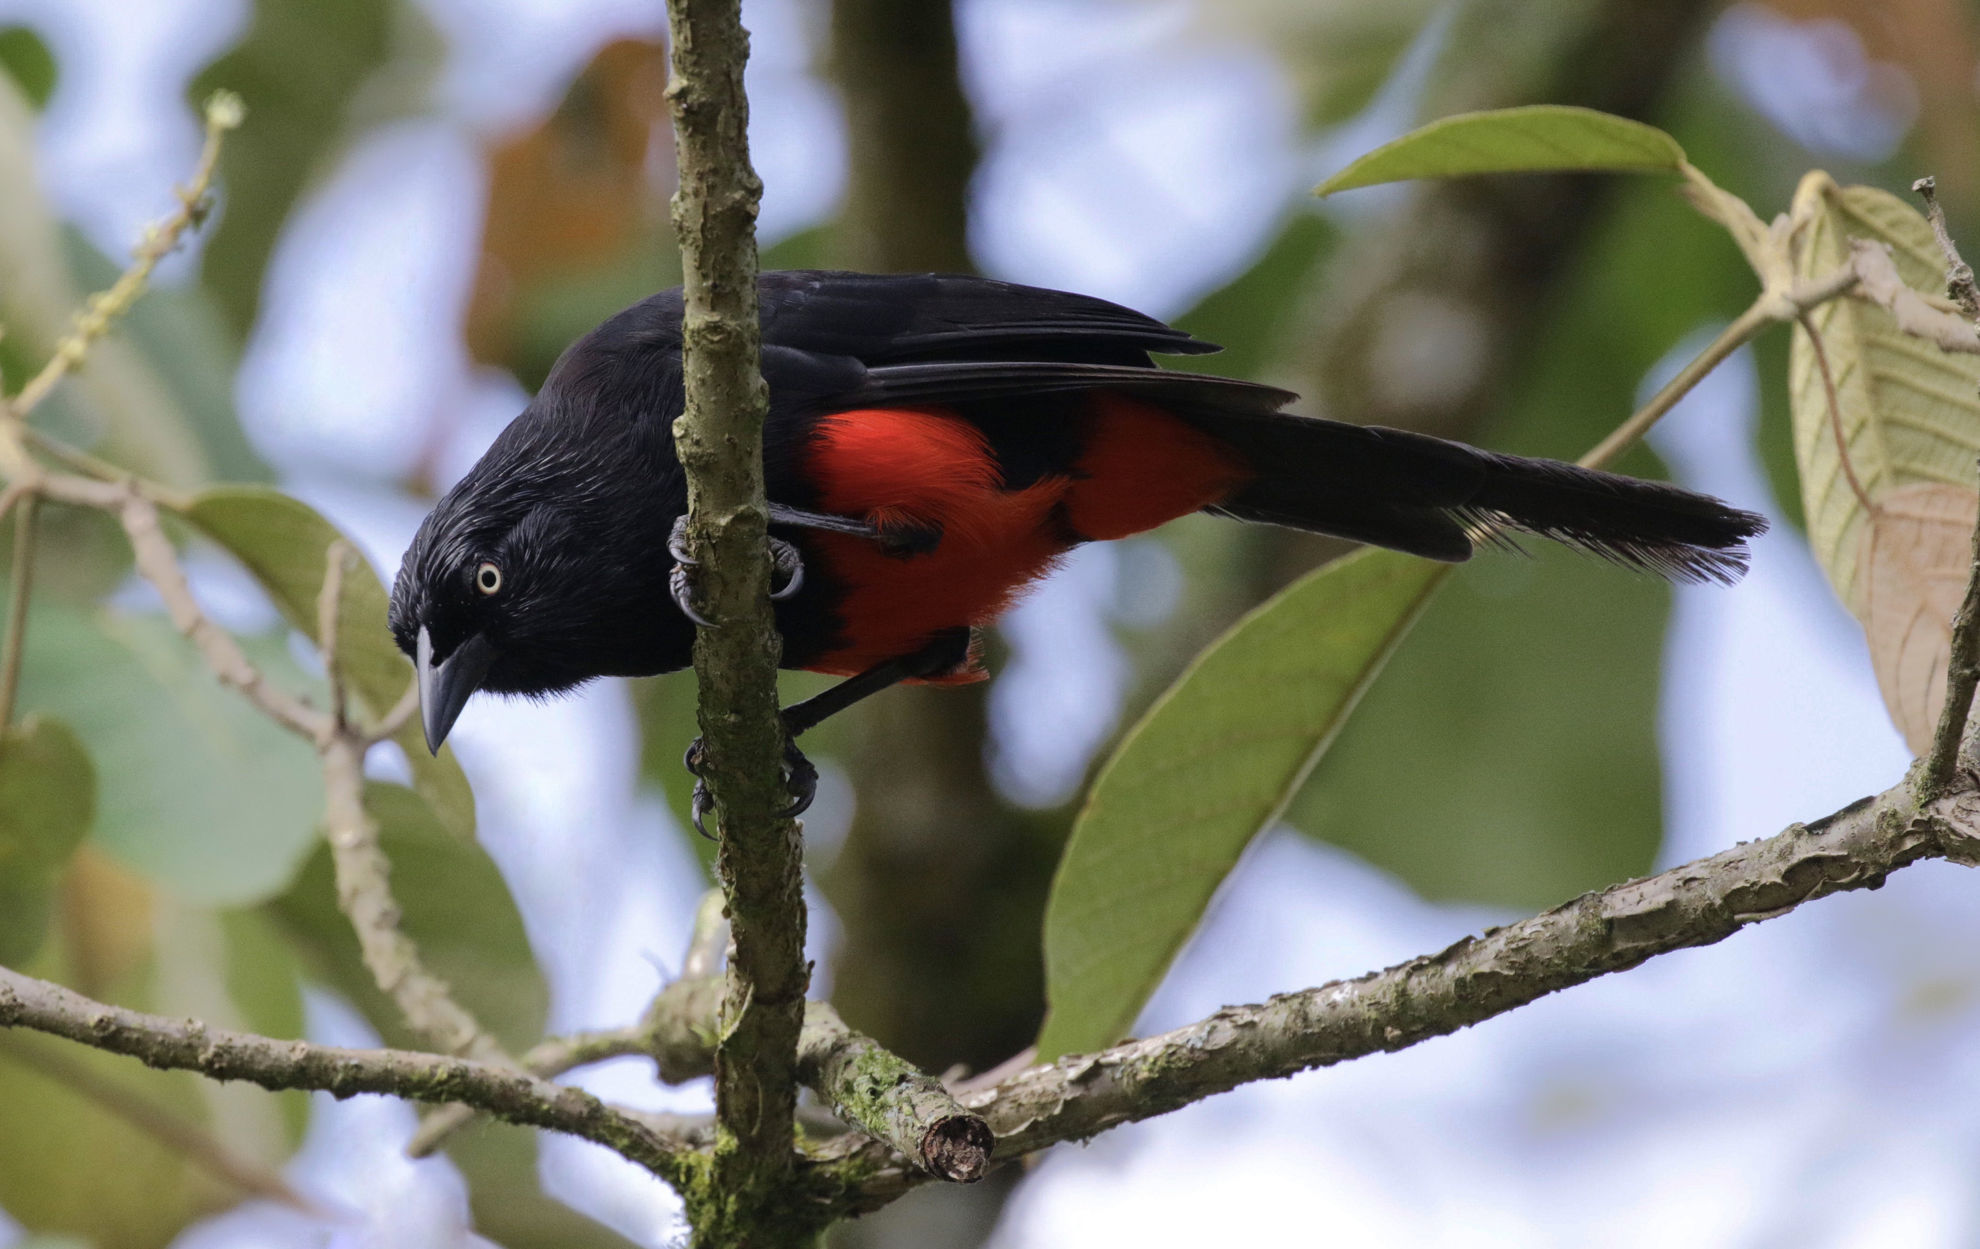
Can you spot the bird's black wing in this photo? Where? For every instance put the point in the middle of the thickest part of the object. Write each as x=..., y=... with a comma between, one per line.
x=968, y=381
x=895, y=318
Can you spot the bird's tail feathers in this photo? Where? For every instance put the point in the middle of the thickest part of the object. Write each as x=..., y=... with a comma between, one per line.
x=1427, y=496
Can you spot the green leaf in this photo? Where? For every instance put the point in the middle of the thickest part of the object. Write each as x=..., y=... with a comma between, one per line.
x=1536, y=138
x=455, y=905
x=195, y=788
x=25, y=58
x=47, y=800
x=284, y=543
x=1214, y=762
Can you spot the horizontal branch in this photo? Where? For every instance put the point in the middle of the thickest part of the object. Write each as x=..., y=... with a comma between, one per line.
x=184, y=1044
x=1697, y=904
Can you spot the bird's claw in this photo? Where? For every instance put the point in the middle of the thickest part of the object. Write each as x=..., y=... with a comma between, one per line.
x=785, y=561
x=800, y=779
x=784, y=558
x=680, y=587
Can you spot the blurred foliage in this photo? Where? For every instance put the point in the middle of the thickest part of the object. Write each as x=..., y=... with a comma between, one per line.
x=47, y=801
x=299, y=68
x=1339, y=53
x=27, y=60
x=577, y=223
x=226, y=813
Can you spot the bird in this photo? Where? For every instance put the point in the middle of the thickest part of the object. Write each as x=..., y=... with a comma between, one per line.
x=934, y=445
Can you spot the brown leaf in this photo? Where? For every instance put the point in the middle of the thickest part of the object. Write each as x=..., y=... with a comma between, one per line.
x=1916, y=551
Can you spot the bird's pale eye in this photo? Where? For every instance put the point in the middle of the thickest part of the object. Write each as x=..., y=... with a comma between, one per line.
x=487, y=578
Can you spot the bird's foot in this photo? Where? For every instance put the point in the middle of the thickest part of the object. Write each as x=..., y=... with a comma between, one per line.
x=786, y=564
x=800, y=779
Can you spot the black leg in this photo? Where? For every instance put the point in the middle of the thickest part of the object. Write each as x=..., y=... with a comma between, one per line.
x=943, y=653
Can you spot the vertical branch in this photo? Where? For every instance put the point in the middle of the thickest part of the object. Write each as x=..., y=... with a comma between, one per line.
x=719, y=439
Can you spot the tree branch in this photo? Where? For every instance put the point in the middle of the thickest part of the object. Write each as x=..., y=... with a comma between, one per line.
x=719, y=439
x=1613, y=930
x=186, y=1044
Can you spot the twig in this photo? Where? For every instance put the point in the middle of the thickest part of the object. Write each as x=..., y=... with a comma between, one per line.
x=1766, y=310
x=186, y=1044
x=1962, y=676
x=364, y=894
x=184, y=1137
x=664, y=1031
x=1959, y=274
x=1963, y=659
x=1914, y=314
x=719, y=440
x=20, y=587
x=395, y=719
x=223, y=113
x=159, y=564
x=548, y=1059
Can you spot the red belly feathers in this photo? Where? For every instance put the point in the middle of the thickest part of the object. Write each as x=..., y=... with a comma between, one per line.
x=931, y=469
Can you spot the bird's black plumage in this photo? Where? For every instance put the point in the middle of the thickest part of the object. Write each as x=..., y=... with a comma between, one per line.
x=1017, y=396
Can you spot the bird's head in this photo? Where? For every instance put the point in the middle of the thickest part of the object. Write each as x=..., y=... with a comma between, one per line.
x=534, y=574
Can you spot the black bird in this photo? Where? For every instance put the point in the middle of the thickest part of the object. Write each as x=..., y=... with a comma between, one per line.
x=933, y=445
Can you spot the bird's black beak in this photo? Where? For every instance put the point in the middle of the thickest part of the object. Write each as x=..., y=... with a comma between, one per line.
x=444, y=687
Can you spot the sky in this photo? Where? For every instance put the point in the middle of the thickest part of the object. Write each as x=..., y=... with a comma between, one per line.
x=1806, y=1083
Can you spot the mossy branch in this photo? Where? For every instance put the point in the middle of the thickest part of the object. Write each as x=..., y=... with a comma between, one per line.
x=746, y=1197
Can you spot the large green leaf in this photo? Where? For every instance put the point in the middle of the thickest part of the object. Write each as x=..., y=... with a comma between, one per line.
x=47, y=800
x=196, y=788
x=1534, y=138
x=1214, y=761
x=455, y=906
x=284, y=543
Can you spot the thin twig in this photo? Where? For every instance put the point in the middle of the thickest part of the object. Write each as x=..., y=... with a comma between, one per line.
x=1963, y=658
x=1959, y=275
x=20, y=587
x=187, y=1044
x=548, y=1060
x=1731, y=339
x=395, y=719
x=1767, y=309
x=223, y=112
x=1962, y=677
x=159, y=564
x=364, y=894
